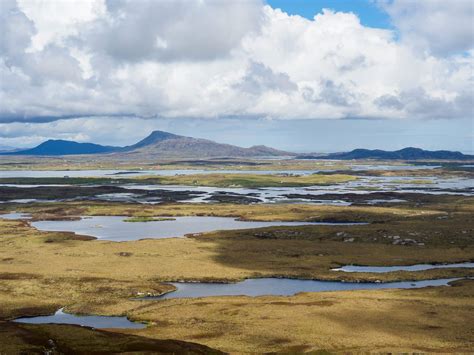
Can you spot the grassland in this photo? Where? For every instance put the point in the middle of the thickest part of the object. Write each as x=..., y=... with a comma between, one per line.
x=445, y=172
x=69, y=339
x=109, y=163
x=400, y=321
x=413, y=182
x=425, y=320
x=43, y=271
x=256, y=212
x=326, y=166
x=214, y=180
x=255, y=181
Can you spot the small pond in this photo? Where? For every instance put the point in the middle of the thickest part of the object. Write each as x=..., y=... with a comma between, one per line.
x=15, y=215
x=86, y=321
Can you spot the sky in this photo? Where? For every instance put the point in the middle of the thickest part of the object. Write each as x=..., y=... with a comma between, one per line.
x=305, y=76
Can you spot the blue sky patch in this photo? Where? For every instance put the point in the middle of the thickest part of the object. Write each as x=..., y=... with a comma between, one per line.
x=369, y=12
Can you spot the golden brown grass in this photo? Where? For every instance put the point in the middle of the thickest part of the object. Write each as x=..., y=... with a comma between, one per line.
x=425, y=320
x=86, y=163
x=43, y=271
x=70, y=339
x=258, y=212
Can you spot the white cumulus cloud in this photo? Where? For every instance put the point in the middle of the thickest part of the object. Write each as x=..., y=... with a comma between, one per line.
x=215, y=58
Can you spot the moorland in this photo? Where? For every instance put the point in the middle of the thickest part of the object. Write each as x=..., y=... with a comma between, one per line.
x=410, y=216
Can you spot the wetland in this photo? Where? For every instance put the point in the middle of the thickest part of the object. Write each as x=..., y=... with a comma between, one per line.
x=262, y=242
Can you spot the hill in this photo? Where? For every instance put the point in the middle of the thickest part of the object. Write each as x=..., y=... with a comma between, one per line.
x=164, y=144
x=409, y=153
x=62, y=147
x=158, y=144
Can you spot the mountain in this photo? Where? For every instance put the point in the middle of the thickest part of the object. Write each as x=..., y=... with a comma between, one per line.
x=62, y=147
x=155, y=137
x=409, y=153
x=158, y=144
x=168, y=145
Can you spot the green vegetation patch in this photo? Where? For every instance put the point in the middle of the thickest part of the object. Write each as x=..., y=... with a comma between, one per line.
x=412, y=182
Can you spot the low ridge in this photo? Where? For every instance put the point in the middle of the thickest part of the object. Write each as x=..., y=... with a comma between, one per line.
x=409, y=153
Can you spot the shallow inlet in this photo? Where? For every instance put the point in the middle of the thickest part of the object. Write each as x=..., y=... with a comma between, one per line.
x=283, y=287
x=15, y=215
x=417, y=267
x=86, y=321
x=114, y=228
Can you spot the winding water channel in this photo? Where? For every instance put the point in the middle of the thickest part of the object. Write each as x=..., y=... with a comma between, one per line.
x=417, y=267
x=249, y=287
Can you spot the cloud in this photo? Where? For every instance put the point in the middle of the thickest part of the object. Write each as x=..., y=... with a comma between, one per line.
x=418, y=103
x=56, y=20
x=330, y=93
x=17, y=30
x=211, y=59
x=85, y=129
x=259, y=79
x=390, y=102
x=172, y=30
x=440, y=26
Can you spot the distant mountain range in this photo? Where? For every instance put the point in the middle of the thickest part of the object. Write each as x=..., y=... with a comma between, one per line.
x=158, y=144
x=161, y=144
x=409, y=153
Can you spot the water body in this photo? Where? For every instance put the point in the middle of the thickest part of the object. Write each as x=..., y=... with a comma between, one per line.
x=284, y=287
x=15, y=215
x=363, y=185
x=86, y=321
x=115, y=229
x=135, y=173
x=418, y=267
x=307, y=195
x=29, y=200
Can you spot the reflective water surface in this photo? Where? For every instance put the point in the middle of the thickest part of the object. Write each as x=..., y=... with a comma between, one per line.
x=86, y=321
x=284, y=287
x=116, y=229
x=418, y=267
x=364, y=185
x=15, y=215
